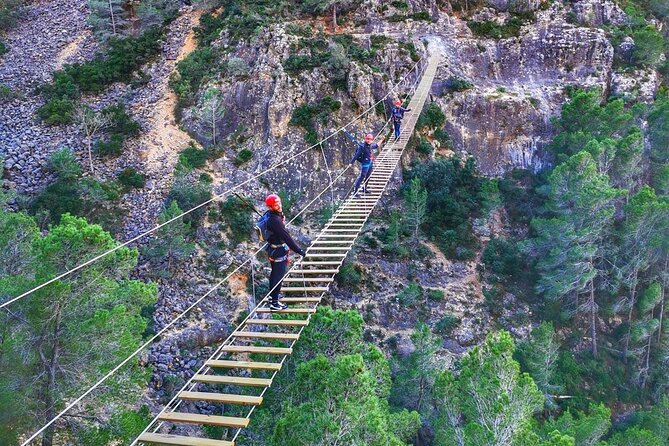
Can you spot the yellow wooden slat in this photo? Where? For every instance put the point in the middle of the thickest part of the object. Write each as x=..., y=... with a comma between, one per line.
x=300, y=300
x=196, y=418
x=308, y=279
x=177, y=440
x=266, y=335
x=225, y=398
x=317, y=263
x=253, y=365
x=232, y=380
x=257, y=349
x=318, y=289
x=314, y=271
x=287, y=311
x=296, y=322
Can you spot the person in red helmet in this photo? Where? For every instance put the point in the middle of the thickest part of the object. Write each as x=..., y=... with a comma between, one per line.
x=397, y=114
x=279, y=244
x=365, y=156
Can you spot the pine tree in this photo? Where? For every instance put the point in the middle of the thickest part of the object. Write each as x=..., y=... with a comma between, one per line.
x=211, y=112
x=415, y=375
x=538, y=355
x=108, y=18
x=416, y=207
x=489, y=402
x=65, y=334
x=570, y=246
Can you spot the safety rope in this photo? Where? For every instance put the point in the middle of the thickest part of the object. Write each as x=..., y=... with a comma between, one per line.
x=215, y=197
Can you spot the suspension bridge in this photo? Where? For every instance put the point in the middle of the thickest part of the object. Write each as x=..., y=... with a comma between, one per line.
x=261, y=333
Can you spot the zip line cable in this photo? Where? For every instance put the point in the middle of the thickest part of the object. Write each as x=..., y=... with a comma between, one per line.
x=215, y=197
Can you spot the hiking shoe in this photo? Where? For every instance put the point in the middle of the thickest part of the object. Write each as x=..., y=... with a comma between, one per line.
x=277, y=306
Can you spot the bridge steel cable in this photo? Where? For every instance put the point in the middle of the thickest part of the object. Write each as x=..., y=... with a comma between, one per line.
x=215, y=197
x=305, y=285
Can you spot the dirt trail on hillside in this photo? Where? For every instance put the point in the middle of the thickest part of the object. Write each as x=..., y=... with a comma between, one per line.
x=165, y=139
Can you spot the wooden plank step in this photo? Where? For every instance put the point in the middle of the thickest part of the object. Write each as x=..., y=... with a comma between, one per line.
x=300, y=300
x=344, y=230
x=344, y=237
x=333, y=242
x=257, y=349
x=265, y=335
x=317, y=263
x=225, y=398
x=233, y=380
x=286, y=322
x=288, y=311
x=314, y=271
x=178, y=440
x=313, y=248
x=316, y=254
x=319, y=289
x=308, y=279
x=196, y=418
x=253, y=365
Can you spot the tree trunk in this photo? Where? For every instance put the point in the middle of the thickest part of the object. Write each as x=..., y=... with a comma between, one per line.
x=629, y=315
x=647, y=366
x=213, y=122
x=663, y=291
x=89, y=141
x=593, y=319
x=50, y=386
x=334, y=17
x=113, y=20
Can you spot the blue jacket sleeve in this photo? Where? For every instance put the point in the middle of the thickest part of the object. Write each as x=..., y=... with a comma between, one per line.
x=357, y=153
x=351, y=137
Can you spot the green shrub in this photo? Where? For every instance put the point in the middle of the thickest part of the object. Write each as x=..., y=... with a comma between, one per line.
x=431, y=117
x=130, y=178
x=64, y=165
x=410, y=48
x=209, y=29
x=410, y=295
x=378, y=41
x=3, y=48
x=244, y=156
x=192, y=158
x=454, y=198
x=299, y=30
x=188, y=194
x=443, y=137
x=648, y=46
x=436, y=295
x=399, y=5
x=502, y=258
x=455, y=83
x=304, y=115
x=424, y=147
x=111, y=147
x=236, y=214
x=120, y=122
x=447, y=324
x=421, y=15
x=192, y=70
x=349, y=276
x=294, y=63
x=494, y=30
x=57, y=111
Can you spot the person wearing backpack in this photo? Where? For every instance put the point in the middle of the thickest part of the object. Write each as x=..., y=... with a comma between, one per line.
x=365, y=156
x=272, y=230
x=397, y=114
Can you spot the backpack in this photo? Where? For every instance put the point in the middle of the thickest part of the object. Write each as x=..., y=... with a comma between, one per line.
x=262, y=228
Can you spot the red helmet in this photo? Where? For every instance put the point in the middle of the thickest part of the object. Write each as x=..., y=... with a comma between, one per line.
x=272, y=200
x=398, y=102
x=369, y=137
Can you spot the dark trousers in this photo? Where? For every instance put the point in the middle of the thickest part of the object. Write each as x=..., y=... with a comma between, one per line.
x=364, y=175
x=278, y=271
x=397, y=128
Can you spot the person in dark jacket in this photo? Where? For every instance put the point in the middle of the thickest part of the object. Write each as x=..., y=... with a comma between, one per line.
x=365, y=156
x=279, y=244
x=397, y=114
